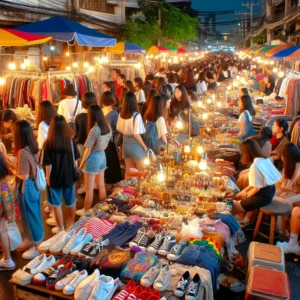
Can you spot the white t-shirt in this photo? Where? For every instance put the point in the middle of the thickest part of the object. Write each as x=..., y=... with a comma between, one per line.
x=66, y=108
x=126, y=127
x=42, y=134
x=263, y=173
x=161, y=127
x=140, y=96
x=242, y=120
x=201, y=87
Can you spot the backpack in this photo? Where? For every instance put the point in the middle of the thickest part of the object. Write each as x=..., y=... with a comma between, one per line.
x=71, y=122
x=151, y=137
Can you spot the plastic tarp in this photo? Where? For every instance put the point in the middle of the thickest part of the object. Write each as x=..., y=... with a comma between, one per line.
x=125, y=48
x=286, y=52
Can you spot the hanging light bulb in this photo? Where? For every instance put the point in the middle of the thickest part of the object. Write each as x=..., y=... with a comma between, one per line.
x=68, y=54
x=147, y=56
x=52, y=48
x=160, y=176
x=105, y=60
x=209, y=101
x=68, y=68
x=26, y=62
x=91, y=68
x=147, y=161
x=179, y=124
x=205, y=116
x=275, y=70
x=86, y=64
x=169, y=60
x=23, y=66
x=123, y=58
x=187, y=149
x=75, y=65
x=272, y=62
x=45, y=58
x=203, y=163
x=229, y=88
x=281, y=74
x=219, y=104
x=2, y=80
x=200, y=149
x=12, y=66
x=200, y=103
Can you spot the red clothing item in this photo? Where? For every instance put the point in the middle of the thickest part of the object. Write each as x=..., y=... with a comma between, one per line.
x=273, y=141
x=119, y=91
x=116, y=84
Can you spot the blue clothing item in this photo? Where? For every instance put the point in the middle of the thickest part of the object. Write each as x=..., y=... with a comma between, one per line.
x=30, y=209
x=202, y=257
x=132, y=149
x=122, y=234
x=54, y=196
x=151, y=137
x=249, y=131
x=112, y=119
x=95, y=162
x=230, y=221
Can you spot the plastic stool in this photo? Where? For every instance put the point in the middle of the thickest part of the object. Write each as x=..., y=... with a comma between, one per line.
x=266, y=284
x=274, y=209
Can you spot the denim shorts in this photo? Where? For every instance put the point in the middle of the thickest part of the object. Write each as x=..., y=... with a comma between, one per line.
x=95, y=162
x=54, y=196
x=132, y=149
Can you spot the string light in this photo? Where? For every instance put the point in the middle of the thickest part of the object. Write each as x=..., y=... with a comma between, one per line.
x=75, y=65
x=23, y=66
x=86, y=65
x=68, y=68
x=12, y=66
x=68, y=54
x=45, y=58
x=2, y=80
x=91, y=68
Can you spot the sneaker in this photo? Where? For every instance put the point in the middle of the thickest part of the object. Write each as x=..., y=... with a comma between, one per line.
x=47, y=210
x=71, y=287
x=79, y=247
x=88, y=247
x=177, y=250
x=45, y=246
x=167, y=245
x=98, y=246
x=74, y=241
x=146, y=239
x=81, y=212
x=141, y=232
x=156, y=244
x=58, y=274
x=7, y=264
x=295, y=249
x=149, y=277
x=57, y=230
x=129, y=288
x=61, y=284
x=26, y=244
x=81, y=190
x=104, y=288
x=51, y=222
x=46, y=263
x=182, y=284
x=162, y=281
x=32, y=265
x=31, y=253
x=62, y=242
x=85, y=287
x=192, y=292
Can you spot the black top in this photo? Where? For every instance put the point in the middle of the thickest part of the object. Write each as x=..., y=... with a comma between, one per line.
x=211, y=85
x=62, y=166
x=81, y=121
x=177, y=107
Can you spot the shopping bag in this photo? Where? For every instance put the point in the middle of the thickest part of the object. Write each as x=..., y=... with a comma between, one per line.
x=14, y=234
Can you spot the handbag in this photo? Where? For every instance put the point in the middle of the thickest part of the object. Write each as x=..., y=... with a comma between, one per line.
x=14, y=234
x=71, y=121
x=77, y=173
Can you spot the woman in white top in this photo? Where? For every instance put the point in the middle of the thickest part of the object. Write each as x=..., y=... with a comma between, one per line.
x=71, y=106
x=262, y=178
x=140, y=94
x=201, y=84
x=247, y=111
x=156, y=129
x=131, y=125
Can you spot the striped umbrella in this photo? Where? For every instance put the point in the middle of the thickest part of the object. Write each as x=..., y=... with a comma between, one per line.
x=286, y=52
x=276, y=49
x=158, y=49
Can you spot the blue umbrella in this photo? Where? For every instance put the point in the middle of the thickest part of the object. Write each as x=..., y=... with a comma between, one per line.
x=286, y=52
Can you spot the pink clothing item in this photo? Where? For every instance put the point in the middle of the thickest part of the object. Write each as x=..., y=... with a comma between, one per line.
x=98, y=227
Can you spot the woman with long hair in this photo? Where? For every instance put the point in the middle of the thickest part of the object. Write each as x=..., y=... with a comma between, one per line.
x=189, y=80
x=145, y=106
x=113, y=171
x=131, y=125
x=129, y=85
x=109, y=86
x=147, y=86
x=172, y=81
x=26, y=149
x=93, y=162
x=8, y=119
x=201, y=87
x=139, y=92
x=247, y=112
x=59, y=162
x=180, y=101
x=160, y=83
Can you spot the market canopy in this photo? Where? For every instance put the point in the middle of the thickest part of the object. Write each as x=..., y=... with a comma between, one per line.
x=125, y=48
x=12, y=37
x=158, y=49
x=255, y=49
x=294, y=56
x=64, y=30
x=286, y=52
x=276, y=49
x=182, y=51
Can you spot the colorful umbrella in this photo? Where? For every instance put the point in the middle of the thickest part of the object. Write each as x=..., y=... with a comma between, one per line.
x=247, y=49
x=158, y=49
x=255, y=49
x=172, y=48
x=267, y=48
x=294, y=56
x=286, y=52
x=12, y=37
x=182, y=51
x=125, y=48
x=276, y=49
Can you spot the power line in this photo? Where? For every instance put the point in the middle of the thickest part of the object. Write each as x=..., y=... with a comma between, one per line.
x=250, y=6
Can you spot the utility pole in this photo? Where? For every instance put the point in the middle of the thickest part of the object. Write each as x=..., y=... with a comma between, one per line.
x=250, y=6
x=244, y=14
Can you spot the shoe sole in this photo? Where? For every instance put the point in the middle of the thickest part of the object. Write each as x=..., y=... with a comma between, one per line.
x=7, y=269
x=163, y=253
x=152, y=250
x=68, y=293
x=172, y=257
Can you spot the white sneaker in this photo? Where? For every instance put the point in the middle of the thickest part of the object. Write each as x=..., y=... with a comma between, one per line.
x=45, y=246
x=61, y=284
x=74, y=241
x=81, y=212
x=103, y=289
x=7, y=264
x=47, y=263
x=62, y=242
x=32, y=265
x=295, y=249
x=79, y=247
x=162, y=281
x=57, y=230
x=85, y=287
x=149, y=277
x=81, y=190
x=47, y=210
x=51, y=222
x=71, y=287
x=31, y=253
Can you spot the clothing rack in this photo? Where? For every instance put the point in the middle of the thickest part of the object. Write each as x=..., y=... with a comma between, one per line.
x=288, y=71
x=26, y=73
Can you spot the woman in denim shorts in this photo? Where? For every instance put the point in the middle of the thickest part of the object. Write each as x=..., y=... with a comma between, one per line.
x=93, y=162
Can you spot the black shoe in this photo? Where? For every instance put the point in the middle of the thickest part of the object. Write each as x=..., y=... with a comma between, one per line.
x=147, y=239
x=182, y=284
x=193, y=288
x=98, y=246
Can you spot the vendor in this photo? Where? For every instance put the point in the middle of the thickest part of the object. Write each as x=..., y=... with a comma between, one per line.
x=280, y=101
x=212, y=85
x=9, y=118
x=180, y=101
x=244, y=91
x=247, y=111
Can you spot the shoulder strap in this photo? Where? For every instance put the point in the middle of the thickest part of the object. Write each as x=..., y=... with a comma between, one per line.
x=76, y=107
x=135, y=117
x=32, y=156
x=73, y=155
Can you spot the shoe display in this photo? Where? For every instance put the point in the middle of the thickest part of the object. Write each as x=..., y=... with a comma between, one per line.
x=79, y=247
x=62, y=242
x=162, y=281
x=57, y=230
x=45, y=246
x=7, y=265
x=81, y=212
x=85, y=287
x=295, y=249
x=31, y=253
x=177, y=250
x=70, y=288
x=104, y=288
x=182, y=285
x=81, y=190
x=129, y=288
x=192, y=292
x=61, y=284
x=74, y=241
x=146, y=239
x=149, y=277
x=32, y=265
x=167, y=245
x=39, y=278
x=141, y=232
x=98, y=246
x=156, y=244
x=51, y=222
x=136, y=293
x=88, y=247
x=57, y=275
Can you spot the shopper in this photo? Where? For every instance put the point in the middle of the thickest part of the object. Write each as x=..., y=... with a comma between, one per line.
x=113, y=172
x=189, y=81
x=131, y=125
x=109, y=86
x=93, y=162
x=225, y=73
x=270, y=82
x=145, y=106
x=212, y=85
x=160, y=83
x=172, y=81
x=129, y=85
x=244, y=91
x=192, y=97
x=8, y=119
x=180, y=101
x=201, y=87
x=247, y=112
x=114, y=76
x=120, y=86
x=60, y=156
x=26, y=148
x=147, y=86
x=139, y=92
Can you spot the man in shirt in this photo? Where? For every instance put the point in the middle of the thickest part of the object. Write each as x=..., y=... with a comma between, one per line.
x=114, y=75
x=120, y=85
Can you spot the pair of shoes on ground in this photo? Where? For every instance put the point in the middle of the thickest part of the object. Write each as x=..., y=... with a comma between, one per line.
x=188, y=287
x=92, y=248
x=287, y=248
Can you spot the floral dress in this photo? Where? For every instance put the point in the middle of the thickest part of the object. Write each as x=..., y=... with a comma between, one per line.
x=6, y=200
